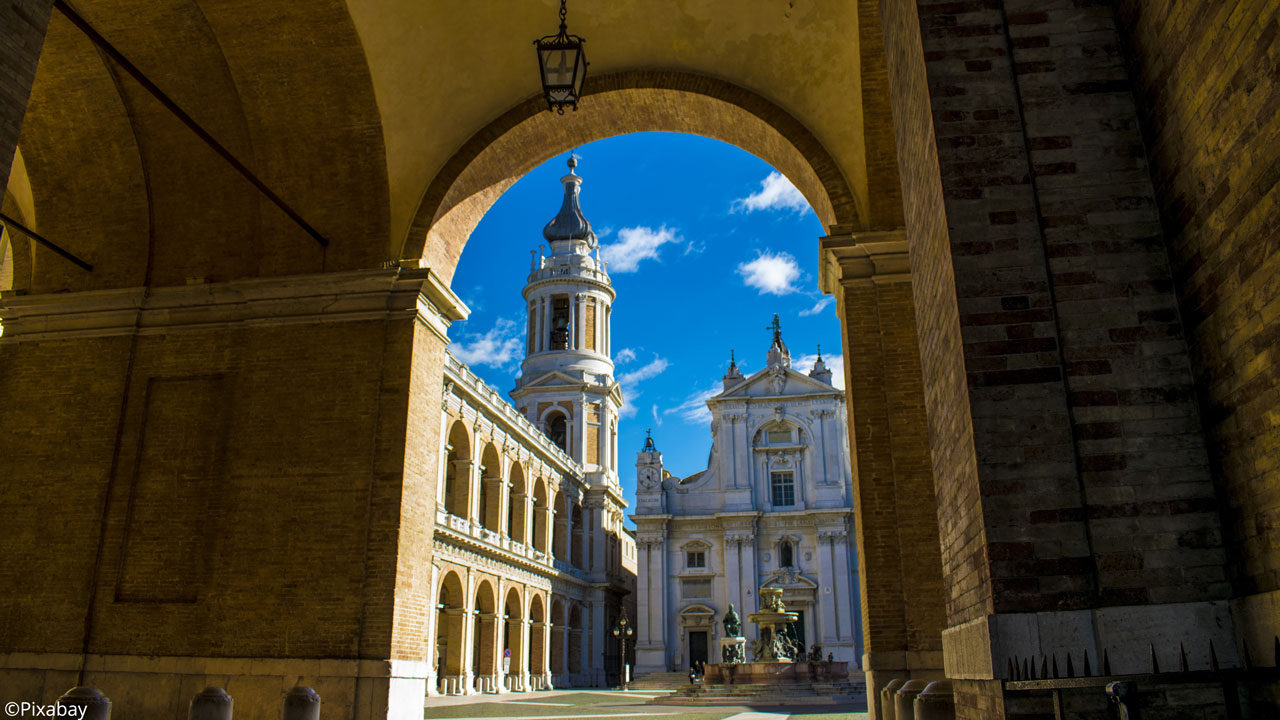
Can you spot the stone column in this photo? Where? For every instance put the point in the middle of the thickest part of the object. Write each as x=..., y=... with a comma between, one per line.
x=751, y=579
x=829, y=590
x=893, y=489
x=733, y=571
x=466, y=669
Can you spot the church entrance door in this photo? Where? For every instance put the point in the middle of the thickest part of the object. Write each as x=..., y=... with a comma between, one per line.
x=697, y=647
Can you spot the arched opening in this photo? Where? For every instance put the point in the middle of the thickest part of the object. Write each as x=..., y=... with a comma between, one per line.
x=514, y=658
x=541, y=513
x=560, y=538
x=490, y=511
x=457, y=484
x=559, y=628
x=538, y=640
x=518, y=507
x=558, y=430
x=449, y=633
x=576, y=634
x=485, y=639
x=578, y=534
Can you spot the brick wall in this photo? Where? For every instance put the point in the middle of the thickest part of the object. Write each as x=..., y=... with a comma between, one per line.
x=24, y=22
x=1206, y=83
x=282, y=450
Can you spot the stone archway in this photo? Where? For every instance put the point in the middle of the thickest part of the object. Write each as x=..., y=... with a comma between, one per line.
x=450, y=631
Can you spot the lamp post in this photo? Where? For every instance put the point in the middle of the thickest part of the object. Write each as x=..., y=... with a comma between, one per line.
x=562, y=66
x=623, y=631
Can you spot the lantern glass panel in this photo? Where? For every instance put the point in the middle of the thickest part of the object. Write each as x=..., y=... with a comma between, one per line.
x=558, y=66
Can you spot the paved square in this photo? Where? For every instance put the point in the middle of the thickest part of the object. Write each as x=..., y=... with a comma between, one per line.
x=575, y=704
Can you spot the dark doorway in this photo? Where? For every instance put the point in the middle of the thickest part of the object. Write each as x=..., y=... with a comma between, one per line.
x=697, y=647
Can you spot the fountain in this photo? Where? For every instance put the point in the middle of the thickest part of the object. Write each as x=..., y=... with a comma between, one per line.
x=774, y=645
x=780, y=672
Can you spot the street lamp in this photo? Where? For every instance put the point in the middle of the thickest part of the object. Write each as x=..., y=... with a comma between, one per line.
x=623, y=631
x=562, y=66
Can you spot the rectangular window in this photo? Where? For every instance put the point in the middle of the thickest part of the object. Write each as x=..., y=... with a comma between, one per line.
x=696, y=559
x=559, y=322
x=784, y=489
x=779, y=437
x=696, y=589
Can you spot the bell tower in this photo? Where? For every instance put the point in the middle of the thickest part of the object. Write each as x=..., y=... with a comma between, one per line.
x=566, y=386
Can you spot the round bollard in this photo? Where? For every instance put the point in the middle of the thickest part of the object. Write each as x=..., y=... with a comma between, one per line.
x=885, y=707
x=302, y=703
x=904, y=699
x=936, y=702
x=213, y=703
x=96, y=705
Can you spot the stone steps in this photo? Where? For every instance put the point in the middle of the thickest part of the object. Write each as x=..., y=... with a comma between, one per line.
x=660, y=681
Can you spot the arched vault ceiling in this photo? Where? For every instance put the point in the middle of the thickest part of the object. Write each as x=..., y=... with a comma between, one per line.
x=443, y=70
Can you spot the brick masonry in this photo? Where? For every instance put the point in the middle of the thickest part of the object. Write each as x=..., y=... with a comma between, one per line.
x=24, y=22
x=1207, y=90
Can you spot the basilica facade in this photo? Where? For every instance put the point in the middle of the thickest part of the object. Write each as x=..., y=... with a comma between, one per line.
x=773, y=509
x=532, y=565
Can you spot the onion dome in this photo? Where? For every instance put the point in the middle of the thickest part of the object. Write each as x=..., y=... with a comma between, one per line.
x=570, y=223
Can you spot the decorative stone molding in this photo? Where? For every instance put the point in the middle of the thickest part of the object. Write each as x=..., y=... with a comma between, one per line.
x=877, y=257
x=381, y=294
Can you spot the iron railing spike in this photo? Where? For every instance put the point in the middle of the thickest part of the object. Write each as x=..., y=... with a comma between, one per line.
x=1213, y=657
x=1106, y=662
x=1182, y=658
x=1088, y=672
x=1244, y=658
x=1071, y=670
x=1033, y=669
x=1008, y=668
x=1044, y=667
x=1055, y=666
x=1155, y=662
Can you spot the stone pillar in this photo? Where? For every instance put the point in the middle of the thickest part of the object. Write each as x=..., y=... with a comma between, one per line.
x=893, y=488
x=829, y=590
x=732, y=571
x=468, y=661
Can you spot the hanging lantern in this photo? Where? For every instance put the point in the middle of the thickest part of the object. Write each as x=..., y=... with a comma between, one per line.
x=562, y=66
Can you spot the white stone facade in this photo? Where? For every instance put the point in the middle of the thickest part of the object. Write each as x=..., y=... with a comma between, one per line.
x=532, y=566
x=774, y=508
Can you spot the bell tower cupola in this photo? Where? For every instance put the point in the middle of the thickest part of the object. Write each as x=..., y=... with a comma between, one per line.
x=566, y=385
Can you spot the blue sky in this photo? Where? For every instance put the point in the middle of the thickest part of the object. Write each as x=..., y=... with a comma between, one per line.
x=704, y=243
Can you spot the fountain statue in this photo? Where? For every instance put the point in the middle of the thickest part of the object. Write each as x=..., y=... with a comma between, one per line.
x=775, y=643
x=732, y=645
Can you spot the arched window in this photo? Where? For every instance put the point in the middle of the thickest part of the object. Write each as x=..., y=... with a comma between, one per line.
x=558, y=431
x=786, y=554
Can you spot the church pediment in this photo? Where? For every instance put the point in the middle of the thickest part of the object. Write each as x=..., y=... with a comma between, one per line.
x=769, y=383
x=551, y=379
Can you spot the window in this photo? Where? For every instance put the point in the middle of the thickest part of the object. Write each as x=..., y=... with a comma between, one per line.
x=784, y=489
x=558, y=432
x=779, y=437
x=786, y=554
x=695, y=559
x=560, y=322
x=700, y=589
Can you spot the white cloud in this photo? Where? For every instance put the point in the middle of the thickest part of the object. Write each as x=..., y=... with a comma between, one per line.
x=625, y=355
x=819, y=306
x=834, y=363
x=636, y=244
x=776, y=193
x=657, y=419
x=771, y=274
x=651, y=370
x=497, y=348
x=628, y=409
x=694, y=408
